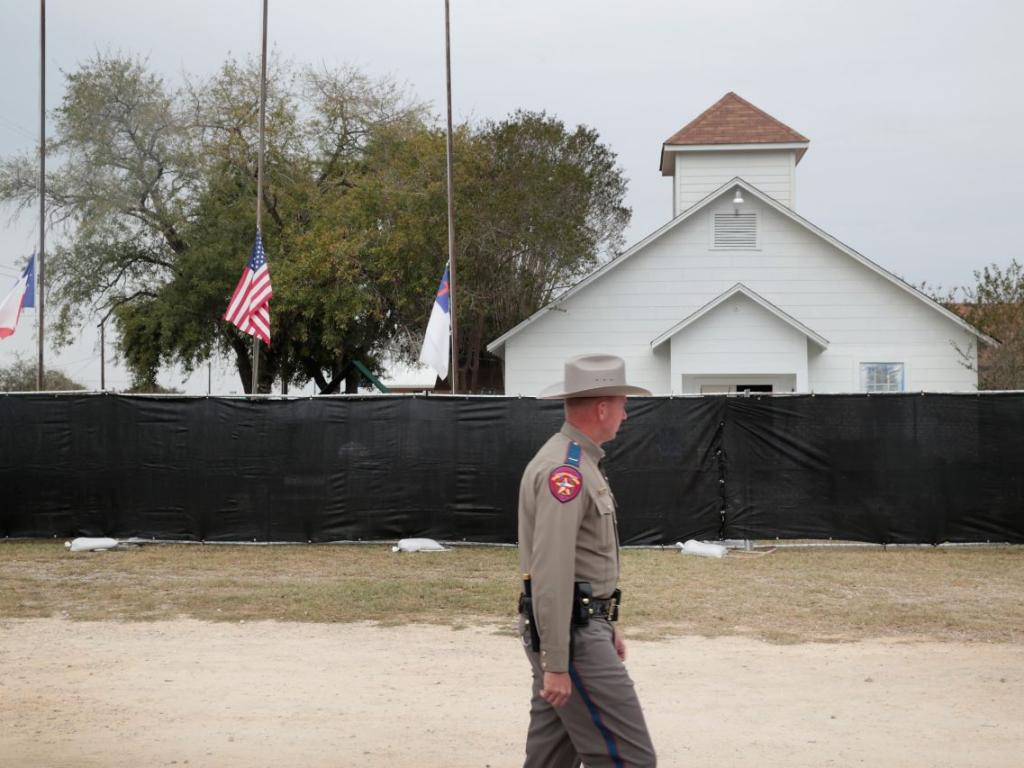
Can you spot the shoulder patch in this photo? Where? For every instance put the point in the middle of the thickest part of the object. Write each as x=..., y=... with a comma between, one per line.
x=565, y=483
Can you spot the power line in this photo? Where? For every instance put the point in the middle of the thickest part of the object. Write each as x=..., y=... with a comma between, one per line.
x=13, y=126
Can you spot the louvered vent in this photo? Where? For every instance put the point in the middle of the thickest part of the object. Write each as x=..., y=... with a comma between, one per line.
x=735, y=230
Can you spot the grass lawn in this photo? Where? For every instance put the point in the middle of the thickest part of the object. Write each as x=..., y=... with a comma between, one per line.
x=790, y=595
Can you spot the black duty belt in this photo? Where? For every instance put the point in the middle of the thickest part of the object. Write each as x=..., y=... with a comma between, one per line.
x=596, y=607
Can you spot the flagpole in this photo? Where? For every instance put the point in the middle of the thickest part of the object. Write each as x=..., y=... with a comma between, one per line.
x=259, y=182
x=451, y=205
x=41, y=272
x=103, y=359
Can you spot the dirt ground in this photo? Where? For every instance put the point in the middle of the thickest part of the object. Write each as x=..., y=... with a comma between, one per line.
x=90, y=694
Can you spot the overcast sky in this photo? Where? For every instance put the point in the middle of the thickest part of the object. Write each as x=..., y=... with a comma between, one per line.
x=913, y=107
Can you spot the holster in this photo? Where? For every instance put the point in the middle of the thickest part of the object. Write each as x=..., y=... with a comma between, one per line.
x=582, y=595
x=587, y=607
x=526, y=609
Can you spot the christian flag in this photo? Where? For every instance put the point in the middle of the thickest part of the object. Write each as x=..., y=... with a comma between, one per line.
x=436, y=343
x=22, y=295
x=249, y=308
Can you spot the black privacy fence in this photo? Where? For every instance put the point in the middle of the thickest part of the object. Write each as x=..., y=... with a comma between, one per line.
x=891, y=468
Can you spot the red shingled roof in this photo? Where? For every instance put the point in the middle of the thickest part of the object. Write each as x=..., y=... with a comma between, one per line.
x=732, y=120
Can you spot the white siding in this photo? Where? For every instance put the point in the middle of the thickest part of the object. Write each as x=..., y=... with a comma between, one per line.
x=698, y=174
x=864, y=317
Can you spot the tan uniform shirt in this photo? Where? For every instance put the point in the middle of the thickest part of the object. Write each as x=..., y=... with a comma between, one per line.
x=566, y=534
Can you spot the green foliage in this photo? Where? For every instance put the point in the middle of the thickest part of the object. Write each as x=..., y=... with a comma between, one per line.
x=157, y=189
x=995, y=305
x=537, y=207
x=20, y=376
x=151, y=388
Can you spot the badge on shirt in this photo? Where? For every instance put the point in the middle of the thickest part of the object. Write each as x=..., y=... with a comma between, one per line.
x=565, y=483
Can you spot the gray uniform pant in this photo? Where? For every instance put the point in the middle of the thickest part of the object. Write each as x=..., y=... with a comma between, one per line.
x=602, y=723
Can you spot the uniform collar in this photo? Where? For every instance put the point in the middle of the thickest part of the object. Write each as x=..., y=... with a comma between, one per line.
x=592, y=449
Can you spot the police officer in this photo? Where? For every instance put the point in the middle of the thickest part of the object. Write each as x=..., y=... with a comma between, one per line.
x=584, y=706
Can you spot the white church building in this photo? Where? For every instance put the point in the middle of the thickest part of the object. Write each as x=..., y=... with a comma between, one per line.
x=738, y=292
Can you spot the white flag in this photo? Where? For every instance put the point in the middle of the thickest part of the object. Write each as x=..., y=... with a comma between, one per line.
x=436, y=342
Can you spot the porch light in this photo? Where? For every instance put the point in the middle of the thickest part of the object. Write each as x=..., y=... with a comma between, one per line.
x=738, y=200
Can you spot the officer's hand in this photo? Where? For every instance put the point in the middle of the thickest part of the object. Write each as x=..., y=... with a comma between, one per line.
x=620, y=642
x=557, y=688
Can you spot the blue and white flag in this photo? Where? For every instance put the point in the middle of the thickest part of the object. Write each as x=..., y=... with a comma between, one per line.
x=436, y=343
x=22, y=295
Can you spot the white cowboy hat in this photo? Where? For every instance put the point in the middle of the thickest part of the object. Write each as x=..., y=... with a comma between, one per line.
x=592, y=376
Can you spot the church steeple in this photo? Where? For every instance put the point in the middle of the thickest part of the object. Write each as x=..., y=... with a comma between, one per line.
x=732, y=138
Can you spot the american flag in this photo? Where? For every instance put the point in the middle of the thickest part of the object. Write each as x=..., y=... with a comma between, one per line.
x=249, y=308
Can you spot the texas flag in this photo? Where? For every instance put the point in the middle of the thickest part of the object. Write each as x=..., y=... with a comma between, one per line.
x=22, y=295
x=436, y=343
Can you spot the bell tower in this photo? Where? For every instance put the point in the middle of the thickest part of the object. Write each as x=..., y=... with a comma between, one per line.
x=732, y=138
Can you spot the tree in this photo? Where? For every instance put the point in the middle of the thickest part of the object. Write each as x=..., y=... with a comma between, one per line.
x=20, y=376
x=537, y=207
x=995, y=305
x=157, y=190
x=151, y=389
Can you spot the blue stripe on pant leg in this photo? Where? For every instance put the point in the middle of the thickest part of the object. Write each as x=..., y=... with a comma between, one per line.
x=595, y=715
